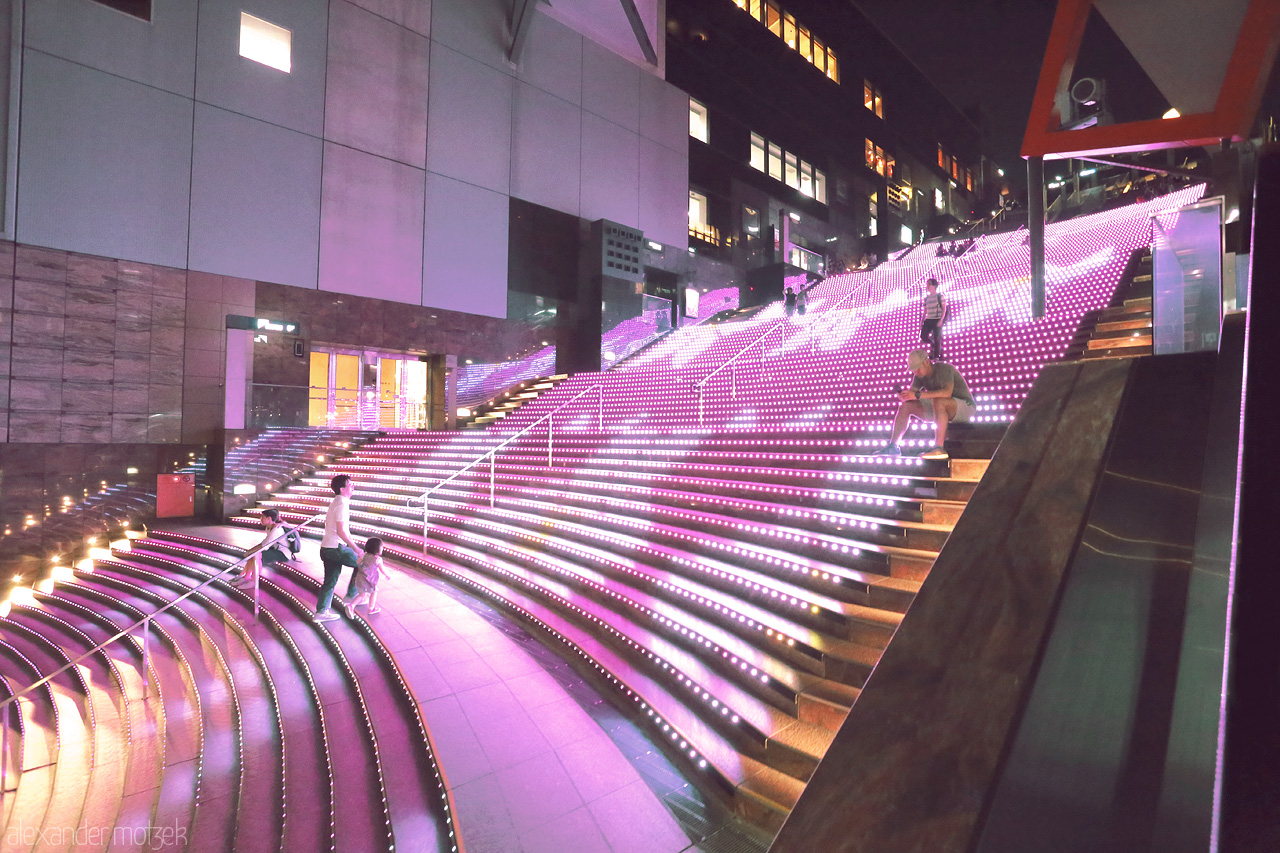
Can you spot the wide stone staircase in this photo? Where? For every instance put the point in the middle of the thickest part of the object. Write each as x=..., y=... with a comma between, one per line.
x=207, y=728
x=731, y=593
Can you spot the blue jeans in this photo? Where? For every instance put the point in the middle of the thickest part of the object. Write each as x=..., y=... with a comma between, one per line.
x=334, y=559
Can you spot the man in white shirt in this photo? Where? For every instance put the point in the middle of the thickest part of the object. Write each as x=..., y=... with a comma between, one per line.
x=337, y=548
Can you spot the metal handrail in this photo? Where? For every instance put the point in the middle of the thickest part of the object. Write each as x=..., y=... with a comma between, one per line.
x=145, y=623
x=698, y=386
x=492, y=454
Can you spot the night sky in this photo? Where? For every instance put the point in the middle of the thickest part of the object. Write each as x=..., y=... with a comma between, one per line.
x=985, y=56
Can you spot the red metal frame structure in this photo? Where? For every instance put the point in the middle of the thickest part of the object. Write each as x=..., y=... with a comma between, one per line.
x=1232, y=118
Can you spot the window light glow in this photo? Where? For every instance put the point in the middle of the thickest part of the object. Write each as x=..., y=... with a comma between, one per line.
x=264, y=42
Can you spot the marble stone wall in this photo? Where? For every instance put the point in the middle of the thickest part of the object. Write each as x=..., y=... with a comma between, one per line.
x=92, y=347
x=50, y=494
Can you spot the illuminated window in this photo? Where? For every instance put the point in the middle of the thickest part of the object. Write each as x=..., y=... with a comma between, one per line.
x=874, y=211
x=955, y=170
x=943, y=161
x=939, y=204
x=773, y=17
x=876, y=160
x=697, y=209
x=136, y=8
x=757, y=152
x=265, y=42
x=968, y=180
x=872, y=99
x=797, y=36
x=787, y=167
x=750, y=220
x=890, y=166
x=905, y=236
x=698, y=120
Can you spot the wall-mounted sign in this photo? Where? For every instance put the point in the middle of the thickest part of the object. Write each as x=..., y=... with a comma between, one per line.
x=263, y=324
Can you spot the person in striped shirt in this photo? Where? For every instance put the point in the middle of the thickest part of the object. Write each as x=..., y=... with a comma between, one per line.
x=935, y=311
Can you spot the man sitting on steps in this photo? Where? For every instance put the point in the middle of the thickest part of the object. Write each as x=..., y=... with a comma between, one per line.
x=938, y=395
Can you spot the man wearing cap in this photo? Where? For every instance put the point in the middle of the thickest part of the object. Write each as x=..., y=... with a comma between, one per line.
x=939, y=395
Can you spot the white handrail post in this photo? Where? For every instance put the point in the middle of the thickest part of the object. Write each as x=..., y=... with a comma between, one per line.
x=425, y=523
x=493, y=464
x=600, y=425
x=146, y=637
x=549, y=422
x=257, y=584
x=733, y=382
x=4, y=748
x=700, y=417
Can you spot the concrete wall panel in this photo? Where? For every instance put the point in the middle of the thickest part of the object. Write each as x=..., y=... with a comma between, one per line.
x=610, y=171
x=664, y=113
x=161, y=53
x=370, y=226
x=552, y=59
x=610, y=86
x=546, y=139
x=255, y=199
x=412, y=14
x=479, y=29
x=376, y=97
x=664, y=194
x=465, y=255
x=226, y=79
x=105, y=165
x=469, y=135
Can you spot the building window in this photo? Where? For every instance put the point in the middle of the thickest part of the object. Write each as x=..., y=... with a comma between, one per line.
x=263, y=41
x=944, y=162
x=136, y=8
x=872, y=99
x=906, y=236
x=775, y=161
x=750, y=221
x=842, y=190
x=698, y=225
x=878, y=161
x=968, y=180
x=757, y=152
x=797, y=36
x=697, y=208
x=788, y=168
x=874, y=210
x=698, y=121
x=939, y=204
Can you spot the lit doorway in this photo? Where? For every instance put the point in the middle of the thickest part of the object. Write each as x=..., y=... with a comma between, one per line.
x=367, y=390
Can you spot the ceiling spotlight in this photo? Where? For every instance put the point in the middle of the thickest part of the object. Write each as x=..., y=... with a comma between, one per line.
x=1172, y=113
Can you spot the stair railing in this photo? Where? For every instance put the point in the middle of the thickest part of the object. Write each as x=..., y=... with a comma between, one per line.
x=699, y=387
x=492, y=455
x=145, y=623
